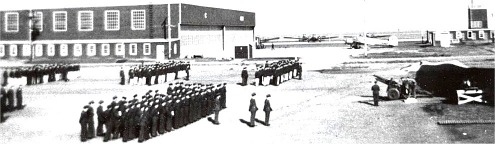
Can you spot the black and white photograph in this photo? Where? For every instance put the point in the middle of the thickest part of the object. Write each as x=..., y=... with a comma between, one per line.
x=247, y=71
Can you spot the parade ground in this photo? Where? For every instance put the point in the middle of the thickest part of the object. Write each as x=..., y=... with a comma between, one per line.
x=331, y=104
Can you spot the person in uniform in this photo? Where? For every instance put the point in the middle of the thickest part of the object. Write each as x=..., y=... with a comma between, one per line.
x=91, y=123
x=18, y=96
x=122, y=76
x=101, y=119
x=116, y=115
x=83, y=121
x=252, y=109
x=10, y=97
x=267, y=108
x=244, y=76
x=188, y=67
x=412, y=87
x=107, y=114
x=5, y=78
x=376, y=93
x=217, y=109
x=131, y=77
x=1, y=107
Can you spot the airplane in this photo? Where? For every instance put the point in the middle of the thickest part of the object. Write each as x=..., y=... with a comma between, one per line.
x=312, y=38
x=357, y=42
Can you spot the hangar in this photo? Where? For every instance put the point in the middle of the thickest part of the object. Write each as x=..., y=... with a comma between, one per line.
x=154, y=31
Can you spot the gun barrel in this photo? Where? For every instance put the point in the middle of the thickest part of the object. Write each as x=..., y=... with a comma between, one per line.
x=381, y=79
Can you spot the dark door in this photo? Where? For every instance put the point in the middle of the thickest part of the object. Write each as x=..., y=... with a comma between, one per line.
x=241, y=52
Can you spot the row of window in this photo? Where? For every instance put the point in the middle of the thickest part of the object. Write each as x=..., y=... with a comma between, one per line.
x=77, y=49
x=85, y=20
x=472, y=35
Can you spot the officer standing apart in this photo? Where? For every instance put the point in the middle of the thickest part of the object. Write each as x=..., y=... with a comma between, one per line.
x=252, y=108
x=267, y=108
x=244, y=76
x=376, y=93
x=122, y=76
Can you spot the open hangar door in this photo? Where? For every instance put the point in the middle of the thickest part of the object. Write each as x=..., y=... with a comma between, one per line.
x=200, y=40
x=237, y=41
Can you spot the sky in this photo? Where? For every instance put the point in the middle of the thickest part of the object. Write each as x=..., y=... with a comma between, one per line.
x=287, y=17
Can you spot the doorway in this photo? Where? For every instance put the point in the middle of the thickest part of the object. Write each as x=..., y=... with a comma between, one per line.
x=241, y=52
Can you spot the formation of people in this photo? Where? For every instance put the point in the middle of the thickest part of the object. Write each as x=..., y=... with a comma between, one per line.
x=37, y=74
x=154, y=73
x=10, y=99
x=275, y=73
x=154, y=113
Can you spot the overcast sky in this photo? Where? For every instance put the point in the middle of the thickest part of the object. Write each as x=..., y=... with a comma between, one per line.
x=275, y=17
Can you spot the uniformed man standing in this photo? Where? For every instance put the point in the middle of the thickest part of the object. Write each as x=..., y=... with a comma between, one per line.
x=18, y=96
x=83, y=120
x=122, y=76
x=1, y=108
x=101, y=119
x=244, y=76
x=107, y=114
x=131, y=77
x=267, y=108
x=252, y=108
x=91, y=123
x=376, y=93
x=10, y=97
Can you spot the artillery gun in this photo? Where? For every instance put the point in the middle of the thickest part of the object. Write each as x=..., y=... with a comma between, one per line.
x=393, y=89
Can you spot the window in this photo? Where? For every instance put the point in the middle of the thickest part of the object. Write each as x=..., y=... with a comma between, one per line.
x=85, y=20
x=2, y=50
x=241, y=18
x=112, y=20
x=51, y=50
x=26, y=50
x=38, y=50
x=146, y=49
x=458, y=35
x=38, y=20
x=64, y=50
x=138, y=20
x=476, y=24
x=481, y=34
x=119, y=49
x=470, y=35
x=77, y=50
x=133, y=49
x=91, y=50
x=105, y=49
x=60, y=21
x=11, y=22
x=13, y=50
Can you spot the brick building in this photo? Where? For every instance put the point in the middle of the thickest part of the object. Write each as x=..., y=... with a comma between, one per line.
x=155, y=31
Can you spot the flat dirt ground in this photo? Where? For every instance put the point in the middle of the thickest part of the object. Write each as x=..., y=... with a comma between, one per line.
x=331, y=104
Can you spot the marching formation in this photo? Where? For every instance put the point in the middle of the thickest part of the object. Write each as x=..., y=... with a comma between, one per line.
x=37, y=74
x=278, y=72
x=154, y=113
x=7, y=98
x=145, y=74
